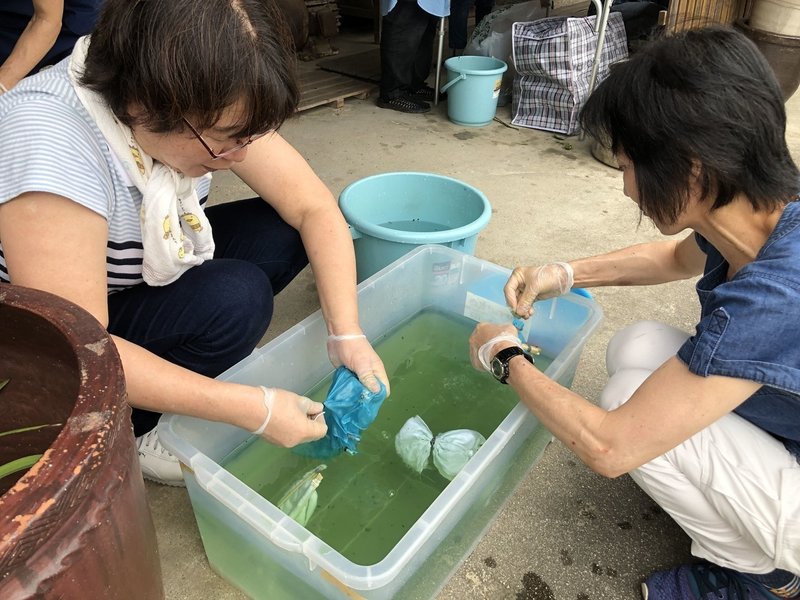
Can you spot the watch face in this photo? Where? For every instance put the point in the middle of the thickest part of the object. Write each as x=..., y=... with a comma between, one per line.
x=497, y=368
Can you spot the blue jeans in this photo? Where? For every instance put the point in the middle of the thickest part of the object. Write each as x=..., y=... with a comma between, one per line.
x=215, y=313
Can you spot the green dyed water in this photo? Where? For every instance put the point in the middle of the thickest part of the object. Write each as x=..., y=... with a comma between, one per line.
x=415, y=225
x=367, y=501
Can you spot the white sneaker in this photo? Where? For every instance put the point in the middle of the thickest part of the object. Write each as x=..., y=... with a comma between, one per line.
x=157, y=463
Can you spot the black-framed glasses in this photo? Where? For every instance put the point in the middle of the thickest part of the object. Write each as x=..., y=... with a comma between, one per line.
x=229, y=151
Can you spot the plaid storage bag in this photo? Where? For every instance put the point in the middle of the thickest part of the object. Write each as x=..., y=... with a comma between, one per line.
x=553, y=59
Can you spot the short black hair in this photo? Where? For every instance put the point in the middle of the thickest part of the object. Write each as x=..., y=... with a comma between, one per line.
x=703, y=98
x=177, y=59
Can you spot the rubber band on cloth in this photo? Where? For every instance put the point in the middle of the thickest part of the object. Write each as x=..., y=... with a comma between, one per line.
x=349, y=336
x=485, y=354
x=269, y=398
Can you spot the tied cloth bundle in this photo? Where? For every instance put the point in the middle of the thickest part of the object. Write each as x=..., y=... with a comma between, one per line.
x=300, y=500
x=350, y=408
x=415, y=443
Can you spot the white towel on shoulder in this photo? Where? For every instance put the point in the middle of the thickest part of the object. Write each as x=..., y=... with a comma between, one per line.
x=176, y=234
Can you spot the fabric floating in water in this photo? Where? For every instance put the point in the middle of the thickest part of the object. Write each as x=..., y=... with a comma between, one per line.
x=300, y=501
x=415, y=443
x=350, y=408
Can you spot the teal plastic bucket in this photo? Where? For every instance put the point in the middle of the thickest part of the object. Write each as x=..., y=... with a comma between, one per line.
x=392, y=213
x=473, y=86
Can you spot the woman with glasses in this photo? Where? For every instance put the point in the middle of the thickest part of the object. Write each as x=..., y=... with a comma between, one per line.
x=105, y=166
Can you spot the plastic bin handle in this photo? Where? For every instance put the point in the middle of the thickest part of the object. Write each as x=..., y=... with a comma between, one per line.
x=354, y=233
x=452, y=82
x=286, y=541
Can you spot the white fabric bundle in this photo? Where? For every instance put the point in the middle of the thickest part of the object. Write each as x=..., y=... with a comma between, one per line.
x=451, y=450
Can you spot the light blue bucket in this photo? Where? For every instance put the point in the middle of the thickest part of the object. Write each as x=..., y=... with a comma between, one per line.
x=473, y=86
x=392, y=213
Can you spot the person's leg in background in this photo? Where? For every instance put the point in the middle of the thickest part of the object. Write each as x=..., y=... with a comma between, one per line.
x=401, y=35
x=423, y=62
x=457, y=24
x=215, y=314
x=482, y=9
x=726, y=486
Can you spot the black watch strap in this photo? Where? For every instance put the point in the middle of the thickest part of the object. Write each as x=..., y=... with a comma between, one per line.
x=501, y=359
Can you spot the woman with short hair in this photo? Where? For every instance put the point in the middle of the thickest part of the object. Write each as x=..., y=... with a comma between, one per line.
x=708, y=424
x=105, y=167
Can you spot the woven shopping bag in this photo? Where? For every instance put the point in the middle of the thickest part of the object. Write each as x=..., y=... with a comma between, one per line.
x=553, y=59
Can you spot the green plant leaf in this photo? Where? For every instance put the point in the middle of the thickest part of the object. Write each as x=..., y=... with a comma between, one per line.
x=31, y=428
x=21, y=464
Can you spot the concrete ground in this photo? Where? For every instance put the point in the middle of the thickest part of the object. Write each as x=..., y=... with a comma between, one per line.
x=566, y=533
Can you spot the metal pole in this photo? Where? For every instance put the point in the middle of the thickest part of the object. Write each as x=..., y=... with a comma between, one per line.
x=439, y=62
x=600, y=27
x=601, y=36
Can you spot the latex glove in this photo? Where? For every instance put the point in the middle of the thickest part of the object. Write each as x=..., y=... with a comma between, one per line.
x=487, y=340
x=528, y=284
x=356, y=353
x=292, y=419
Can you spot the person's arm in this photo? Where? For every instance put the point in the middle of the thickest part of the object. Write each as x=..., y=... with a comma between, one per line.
x=642, y=264
x=276, y=172
x=56, y=245
x=669, y=407
x=33, y=43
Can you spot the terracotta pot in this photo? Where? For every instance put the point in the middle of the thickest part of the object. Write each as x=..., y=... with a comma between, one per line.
x=77, y=524
x=782, y=53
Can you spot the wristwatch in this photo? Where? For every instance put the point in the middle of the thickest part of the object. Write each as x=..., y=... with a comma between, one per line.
x=500, y=362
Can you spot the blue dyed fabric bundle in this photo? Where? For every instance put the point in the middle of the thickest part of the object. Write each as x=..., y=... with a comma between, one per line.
x=350, y=408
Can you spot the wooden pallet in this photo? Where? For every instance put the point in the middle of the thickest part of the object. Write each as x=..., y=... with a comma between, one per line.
x=318, y=88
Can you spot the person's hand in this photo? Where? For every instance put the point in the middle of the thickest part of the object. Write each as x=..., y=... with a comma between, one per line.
x=356, y=353
x=528, y=284
x=293, y=419
x=488, y=339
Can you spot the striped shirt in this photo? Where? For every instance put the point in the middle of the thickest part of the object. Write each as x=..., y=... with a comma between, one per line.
x=49, y=143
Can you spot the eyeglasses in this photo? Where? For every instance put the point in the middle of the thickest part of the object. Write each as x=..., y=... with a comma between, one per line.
x=229, y=151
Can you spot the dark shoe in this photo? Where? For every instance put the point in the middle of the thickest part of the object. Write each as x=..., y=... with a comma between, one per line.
x=426, y=93
x=404, y=104
x=703, y=581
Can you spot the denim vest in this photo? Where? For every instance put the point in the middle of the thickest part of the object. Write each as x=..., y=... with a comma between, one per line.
x=750, y=328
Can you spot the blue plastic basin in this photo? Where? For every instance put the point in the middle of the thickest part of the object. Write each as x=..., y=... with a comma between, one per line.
x=392, y=213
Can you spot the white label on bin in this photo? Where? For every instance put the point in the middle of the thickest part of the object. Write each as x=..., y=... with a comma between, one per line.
x=482, y=310
x=445, y=273
x=496, y=92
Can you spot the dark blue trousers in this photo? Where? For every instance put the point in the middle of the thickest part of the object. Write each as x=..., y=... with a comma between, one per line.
x=406, y=49
x=215, y=313
x=457, y=23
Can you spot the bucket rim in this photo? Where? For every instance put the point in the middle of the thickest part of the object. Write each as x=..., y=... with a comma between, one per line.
x=413, y=237
x=495, y=71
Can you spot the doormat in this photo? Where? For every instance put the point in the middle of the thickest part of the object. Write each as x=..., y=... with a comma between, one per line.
x=364, y=65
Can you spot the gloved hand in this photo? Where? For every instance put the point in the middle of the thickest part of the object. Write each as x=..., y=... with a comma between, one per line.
x=528, y=284
x=356, y=353
x=292, y=419
x=488, y=339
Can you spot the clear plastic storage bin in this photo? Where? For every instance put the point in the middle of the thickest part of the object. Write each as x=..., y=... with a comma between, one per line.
x=268, y=555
